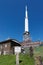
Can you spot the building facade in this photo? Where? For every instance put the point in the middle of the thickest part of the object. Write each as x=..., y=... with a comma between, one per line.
x=7, y=46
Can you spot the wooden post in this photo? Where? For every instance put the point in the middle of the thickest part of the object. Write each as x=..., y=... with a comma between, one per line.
x=17, y=51
x=17, y=58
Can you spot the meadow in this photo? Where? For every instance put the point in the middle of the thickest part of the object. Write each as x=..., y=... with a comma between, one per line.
x=11, y=60
x=38, y=51
x=24, y=59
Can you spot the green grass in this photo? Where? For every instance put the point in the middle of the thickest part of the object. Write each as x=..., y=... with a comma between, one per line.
x=38, y=51
x=11, y=60
x=24, y=58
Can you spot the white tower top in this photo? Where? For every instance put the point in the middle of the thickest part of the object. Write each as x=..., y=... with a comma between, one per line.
x=26, y=20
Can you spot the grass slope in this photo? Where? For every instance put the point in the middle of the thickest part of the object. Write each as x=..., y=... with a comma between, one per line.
x=10, y=60
x=25, y=59
x=38, y=51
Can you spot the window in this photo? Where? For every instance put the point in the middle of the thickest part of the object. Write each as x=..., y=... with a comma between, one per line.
x=5, y=45
x=5, y=52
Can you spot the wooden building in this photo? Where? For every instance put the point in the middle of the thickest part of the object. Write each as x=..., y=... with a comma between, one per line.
x=7, y=46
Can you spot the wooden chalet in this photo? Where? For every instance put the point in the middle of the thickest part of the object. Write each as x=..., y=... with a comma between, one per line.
x=7, y=46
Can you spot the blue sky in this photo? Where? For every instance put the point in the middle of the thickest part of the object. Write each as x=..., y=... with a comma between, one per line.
x=12, y=15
